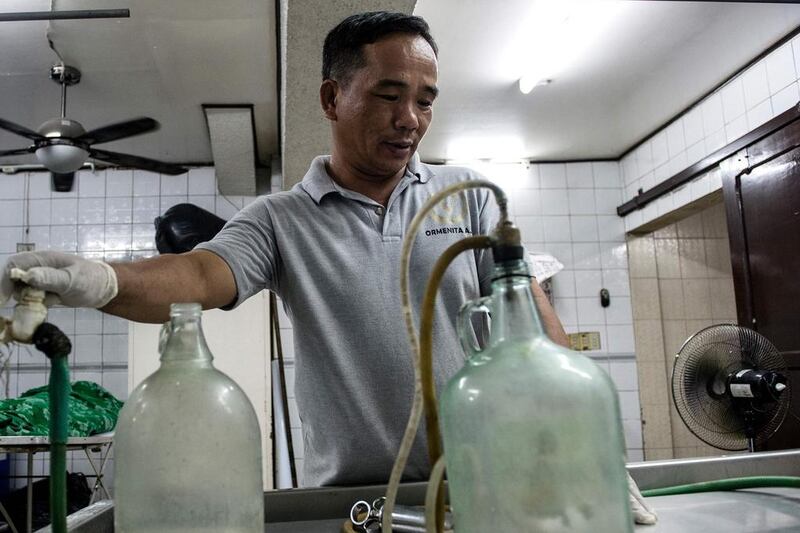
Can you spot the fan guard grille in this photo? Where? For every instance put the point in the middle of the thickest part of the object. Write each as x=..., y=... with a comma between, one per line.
x=698, y=384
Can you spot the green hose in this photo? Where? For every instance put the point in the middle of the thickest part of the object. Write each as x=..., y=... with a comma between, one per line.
x=59, y=407
x=55, y=345
x=736, y=483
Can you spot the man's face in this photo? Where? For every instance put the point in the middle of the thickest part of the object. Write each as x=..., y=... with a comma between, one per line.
x=384, y=110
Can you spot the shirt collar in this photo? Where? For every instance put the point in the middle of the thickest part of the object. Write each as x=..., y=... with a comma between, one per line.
x=318, y=183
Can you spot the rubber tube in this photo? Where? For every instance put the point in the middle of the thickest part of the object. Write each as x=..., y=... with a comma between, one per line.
x=434, y=498
x=416, y=405
x=59, y=389
x=56, y=346
x=426, y=358
x=736, y=483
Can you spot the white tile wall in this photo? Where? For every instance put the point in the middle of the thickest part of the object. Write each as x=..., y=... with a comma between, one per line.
x=733, y=105
x=780, y=68
x=109, y=214
x=756, y=88
x=580, y=227
x=763, y=91
x=553, y=176
x=785, y=99
x=579, y=176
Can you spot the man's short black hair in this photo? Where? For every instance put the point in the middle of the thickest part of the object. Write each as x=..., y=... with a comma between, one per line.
x=342, y=53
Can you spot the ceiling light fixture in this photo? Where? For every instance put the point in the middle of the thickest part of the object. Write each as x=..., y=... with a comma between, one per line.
x=529, y=82
x=503, y=148
x=556, y=33
x=62, y=158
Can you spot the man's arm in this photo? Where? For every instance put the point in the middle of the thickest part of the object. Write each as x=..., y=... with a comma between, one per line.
x=552, y=325
x=141, y=291
x=148, y=287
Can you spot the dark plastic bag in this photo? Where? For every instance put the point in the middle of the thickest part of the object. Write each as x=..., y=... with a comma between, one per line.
x=78, y=496
x=184, y=226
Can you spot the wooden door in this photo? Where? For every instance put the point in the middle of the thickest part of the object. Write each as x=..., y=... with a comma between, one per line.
x=762, y=197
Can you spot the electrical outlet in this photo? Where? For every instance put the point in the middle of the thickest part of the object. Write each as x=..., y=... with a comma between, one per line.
x=584, y=340
x=25, y=247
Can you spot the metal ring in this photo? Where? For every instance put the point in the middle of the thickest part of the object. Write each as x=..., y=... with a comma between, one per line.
x=358, y=508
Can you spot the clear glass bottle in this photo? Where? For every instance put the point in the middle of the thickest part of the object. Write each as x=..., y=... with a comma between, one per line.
x=187, y=444
x=532, y=433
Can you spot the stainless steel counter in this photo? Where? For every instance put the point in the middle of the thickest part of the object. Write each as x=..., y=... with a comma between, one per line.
x=742, y=511
x=764, y=510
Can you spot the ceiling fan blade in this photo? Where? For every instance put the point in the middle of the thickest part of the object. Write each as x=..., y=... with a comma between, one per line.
x=120, y=130
x=18, y=151
x=135, y=161
x=19, y=130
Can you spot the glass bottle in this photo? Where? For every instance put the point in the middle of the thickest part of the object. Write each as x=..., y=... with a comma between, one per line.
x=187, y=444
x=532, y=433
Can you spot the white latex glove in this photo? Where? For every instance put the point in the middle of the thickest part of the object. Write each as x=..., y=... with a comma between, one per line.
x=642, y=513
x=68, y=279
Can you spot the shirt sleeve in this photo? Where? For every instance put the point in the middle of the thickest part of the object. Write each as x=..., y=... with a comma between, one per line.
x=247, y=244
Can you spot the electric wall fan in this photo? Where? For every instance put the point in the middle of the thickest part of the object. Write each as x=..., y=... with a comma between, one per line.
x=62, y=145
x=730, y=387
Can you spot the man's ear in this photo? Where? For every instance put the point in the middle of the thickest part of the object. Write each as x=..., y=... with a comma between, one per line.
x=328, y=92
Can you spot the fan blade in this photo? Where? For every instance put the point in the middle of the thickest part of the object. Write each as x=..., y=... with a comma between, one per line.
x=19, y=130
x=120, y=130
x=144, y=163
x=18, y=151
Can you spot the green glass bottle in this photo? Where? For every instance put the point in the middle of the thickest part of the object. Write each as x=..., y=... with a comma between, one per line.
x=532, y=434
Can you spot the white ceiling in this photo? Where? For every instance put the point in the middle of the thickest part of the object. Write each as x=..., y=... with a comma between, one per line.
x=651, y=62
x=172, y=56
x=164, y=61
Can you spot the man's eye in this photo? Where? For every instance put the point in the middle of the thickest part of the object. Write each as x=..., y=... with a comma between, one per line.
x=388, y=97
x=425, y=103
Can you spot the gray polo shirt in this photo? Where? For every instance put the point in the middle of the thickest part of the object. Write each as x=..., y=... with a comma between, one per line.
x=333, y=256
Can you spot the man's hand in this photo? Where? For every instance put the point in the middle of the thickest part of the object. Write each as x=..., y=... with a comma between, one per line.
x=642, y=513
x=68, y=279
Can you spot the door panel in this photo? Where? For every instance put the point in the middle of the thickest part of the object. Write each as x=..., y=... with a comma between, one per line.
x=767, y=241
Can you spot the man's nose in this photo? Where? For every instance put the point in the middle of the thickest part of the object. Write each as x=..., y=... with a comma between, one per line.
x=406, y=116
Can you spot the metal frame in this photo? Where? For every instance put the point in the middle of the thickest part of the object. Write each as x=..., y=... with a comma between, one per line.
x=30, y=446
x=66, y=15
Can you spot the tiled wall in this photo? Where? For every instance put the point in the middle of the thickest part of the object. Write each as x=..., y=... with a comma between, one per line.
x=681, y=282
x=109, y=214
x=568, y=210
x=668, y=308
x=763, y=91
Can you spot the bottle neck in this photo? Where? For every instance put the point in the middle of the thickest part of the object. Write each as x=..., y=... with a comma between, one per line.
x=184, y=340
x=514, y=313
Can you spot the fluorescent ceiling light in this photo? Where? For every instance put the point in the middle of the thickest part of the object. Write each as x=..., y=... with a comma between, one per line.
x=556, y=33
x=233, y=146
x=508, y=175
x=504, y=148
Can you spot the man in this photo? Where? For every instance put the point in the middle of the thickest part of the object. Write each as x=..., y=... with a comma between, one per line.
x=330, y=248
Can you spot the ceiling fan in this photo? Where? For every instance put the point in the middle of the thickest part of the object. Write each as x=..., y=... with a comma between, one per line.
x=62, y=145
